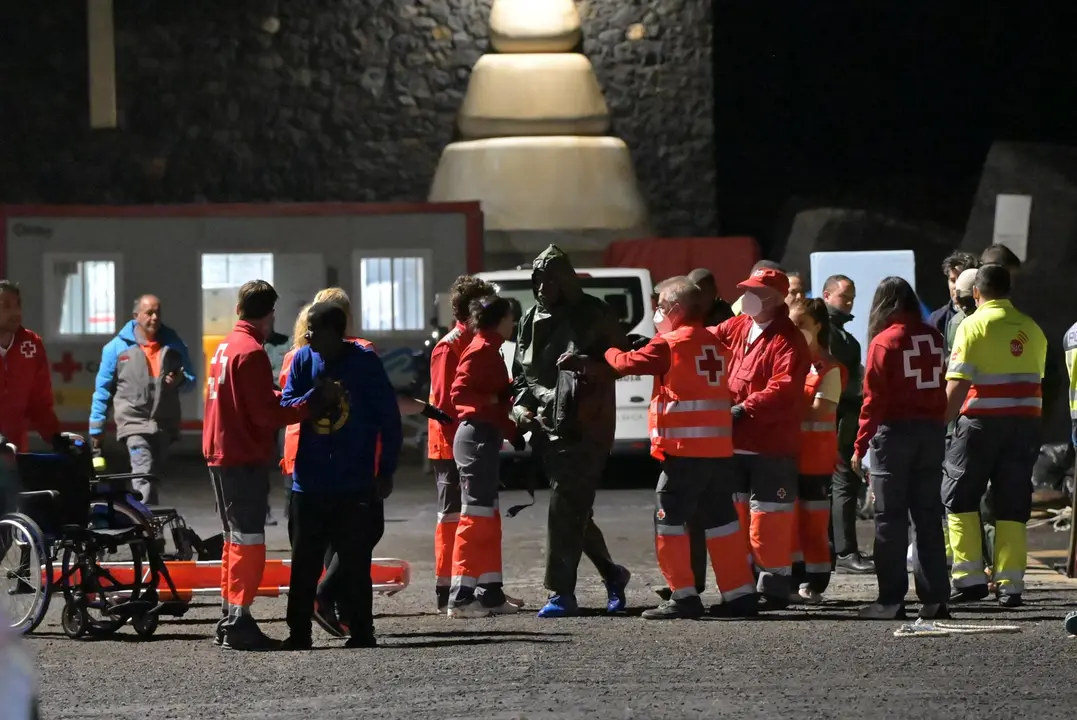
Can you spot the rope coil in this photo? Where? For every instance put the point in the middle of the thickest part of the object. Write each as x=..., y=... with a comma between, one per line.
x=923, y=628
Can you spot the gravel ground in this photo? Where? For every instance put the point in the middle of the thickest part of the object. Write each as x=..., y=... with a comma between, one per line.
x=808, y=663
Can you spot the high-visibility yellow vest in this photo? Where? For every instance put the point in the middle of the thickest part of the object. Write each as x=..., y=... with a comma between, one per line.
x=1002, y=352
x=1069, y=344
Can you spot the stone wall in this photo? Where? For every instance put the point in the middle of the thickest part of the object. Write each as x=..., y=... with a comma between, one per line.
x=306, y=100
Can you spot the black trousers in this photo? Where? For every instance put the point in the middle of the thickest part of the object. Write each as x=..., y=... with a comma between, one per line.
x=846, y=486
x=318, y=521
x=907, y=456
x=332, y=587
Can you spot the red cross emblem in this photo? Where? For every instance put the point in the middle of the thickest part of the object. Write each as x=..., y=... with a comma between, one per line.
x=28, y=348
x=711, y=365
x=67, y=366
x=924, y=361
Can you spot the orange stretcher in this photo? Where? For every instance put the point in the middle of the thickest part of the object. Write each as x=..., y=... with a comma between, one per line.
x=195, y=578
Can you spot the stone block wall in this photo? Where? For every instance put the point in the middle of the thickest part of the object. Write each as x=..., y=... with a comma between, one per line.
x=307, y=100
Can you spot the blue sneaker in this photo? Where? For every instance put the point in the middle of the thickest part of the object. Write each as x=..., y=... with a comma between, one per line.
x=1071, y=623
x=615, y=591
x=558, y=606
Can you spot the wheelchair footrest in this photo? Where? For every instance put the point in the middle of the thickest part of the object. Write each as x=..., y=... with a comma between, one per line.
x=172, y=608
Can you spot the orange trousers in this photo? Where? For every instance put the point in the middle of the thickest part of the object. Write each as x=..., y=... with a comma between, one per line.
x=766, y=488
x=698, y=491
x=811, y=535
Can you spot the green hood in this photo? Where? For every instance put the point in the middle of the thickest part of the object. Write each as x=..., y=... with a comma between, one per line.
x=554, y=262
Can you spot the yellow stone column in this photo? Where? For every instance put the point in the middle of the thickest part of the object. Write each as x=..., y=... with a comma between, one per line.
x=533, y=148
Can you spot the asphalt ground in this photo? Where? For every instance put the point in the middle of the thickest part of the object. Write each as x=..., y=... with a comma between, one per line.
x=804, y=663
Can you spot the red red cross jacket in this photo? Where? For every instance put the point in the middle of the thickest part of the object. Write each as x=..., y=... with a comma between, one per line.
x=903, y=378
x=26, y=401
x=766, y=378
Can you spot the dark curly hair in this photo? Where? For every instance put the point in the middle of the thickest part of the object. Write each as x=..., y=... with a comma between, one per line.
x=815, y=308
x=464, y=291
x=488, y=312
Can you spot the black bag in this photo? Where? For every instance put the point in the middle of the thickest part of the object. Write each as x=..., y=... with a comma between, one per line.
x=564, y=420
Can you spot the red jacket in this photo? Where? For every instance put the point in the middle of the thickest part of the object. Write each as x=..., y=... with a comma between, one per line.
x=243, y=410
x=291, y=433
x=481, y=390
x=767, y=380
x=903, y=378
x=444, y=360
x=26, y=401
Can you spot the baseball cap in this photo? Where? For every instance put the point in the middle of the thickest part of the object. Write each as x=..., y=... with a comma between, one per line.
x=767, y=278
x=964, y=283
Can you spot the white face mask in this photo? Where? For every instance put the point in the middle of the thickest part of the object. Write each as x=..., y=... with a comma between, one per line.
x=808, y=335
x=751, y=305
x=662, y=324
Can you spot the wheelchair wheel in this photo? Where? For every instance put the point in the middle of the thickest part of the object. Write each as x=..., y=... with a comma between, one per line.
x=25, y=571
x=74, y=620
x=145, y=625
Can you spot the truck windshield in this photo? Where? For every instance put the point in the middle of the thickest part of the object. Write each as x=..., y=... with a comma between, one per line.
x=623, y=294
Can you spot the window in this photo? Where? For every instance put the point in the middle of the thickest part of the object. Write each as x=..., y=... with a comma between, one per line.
x=230, y=270
x=85, y=291
x=624, y=295
x=392, y=293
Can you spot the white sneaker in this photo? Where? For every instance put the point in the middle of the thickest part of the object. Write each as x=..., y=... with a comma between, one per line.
x=442, y=609
x=466, y=612
x=505, y=608
x=808, y=596
x=515, y=602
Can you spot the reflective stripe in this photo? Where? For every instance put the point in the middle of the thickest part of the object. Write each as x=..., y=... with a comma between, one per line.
x=797, y=557
x=817, y=568
x=677, y=406
x=238, y=538
x=722, y=530
x=730, y=595
x=774, y=507
x=996, y=403
x=478, y=511
x=1010, y=582
x=442, y=582
x=784, y=571
x=670, y=530
x=815, y=505
x=686, y=433
x=963, y=368
x=970, y=566
x=684, y=593
x=1003, y=378
x=460, y=581
x=487, y=578
x=741, y=497
x=817, y=426
x=448, y=518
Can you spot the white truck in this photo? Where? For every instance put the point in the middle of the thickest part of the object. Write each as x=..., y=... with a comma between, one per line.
x=628, y=292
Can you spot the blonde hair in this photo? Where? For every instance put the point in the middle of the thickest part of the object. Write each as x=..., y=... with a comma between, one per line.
x=299, y=331
x=337, y=296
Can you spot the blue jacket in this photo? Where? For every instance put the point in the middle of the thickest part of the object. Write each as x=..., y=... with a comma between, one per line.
x=338, y=454
x=141, y=403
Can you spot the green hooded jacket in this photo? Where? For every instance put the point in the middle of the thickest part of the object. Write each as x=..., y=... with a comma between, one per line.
x=580, y=323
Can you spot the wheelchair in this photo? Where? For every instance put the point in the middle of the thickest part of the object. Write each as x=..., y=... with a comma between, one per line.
x=66, y=515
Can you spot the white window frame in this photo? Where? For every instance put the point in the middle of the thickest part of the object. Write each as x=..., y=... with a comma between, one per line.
x=424, y=254
x=54, y=296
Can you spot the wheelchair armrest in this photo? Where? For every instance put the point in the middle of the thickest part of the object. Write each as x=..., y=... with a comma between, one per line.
x=125, y=477
x=37, y=494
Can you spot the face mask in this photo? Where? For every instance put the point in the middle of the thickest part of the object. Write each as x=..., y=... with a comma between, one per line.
x=751, y=305
x=662, y=324
x=808, y=335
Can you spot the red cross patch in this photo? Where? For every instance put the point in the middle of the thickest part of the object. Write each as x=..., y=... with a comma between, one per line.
x=661, y=514
x=711, y=365
x=28, y=348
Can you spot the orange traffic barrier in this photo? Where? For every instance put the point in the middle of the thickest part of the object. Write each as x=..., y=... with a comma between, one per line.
x=192, y=578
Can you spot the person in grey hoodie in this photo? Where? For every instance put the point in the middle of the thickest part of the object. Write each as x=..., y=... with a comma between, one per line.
x=143, y=371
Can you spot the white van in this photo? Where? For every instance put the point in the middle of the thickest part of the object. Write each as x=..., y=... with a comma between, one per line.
x=628, y=292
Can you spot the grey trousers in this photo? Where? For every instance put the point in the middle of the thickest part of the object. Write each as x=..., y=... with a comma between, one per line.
x=148, y=454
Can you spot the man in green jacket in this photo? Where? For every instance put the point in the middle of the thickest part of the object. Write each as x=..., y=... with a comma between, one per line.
x=839, y=294
x=571, y=414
